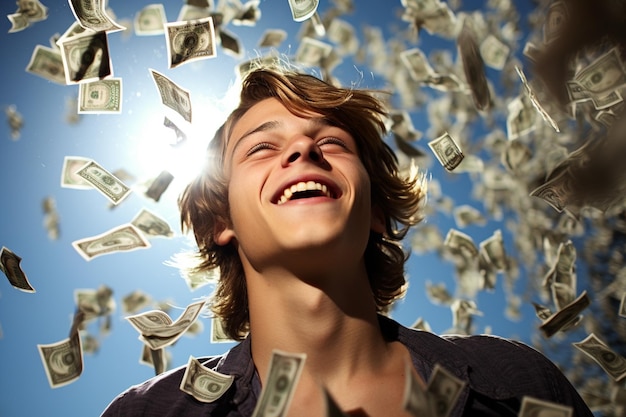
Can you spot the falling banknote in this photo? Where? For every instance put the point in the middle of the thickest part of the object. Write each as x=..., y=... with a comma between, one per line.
x=447, y=151
x=10, y=265
x=63, y=361
x=105, y=182
x=612, y=363
x=123, y=238
x=284, y=372
x=204, y=384
x=156, y=328
x=533, y=407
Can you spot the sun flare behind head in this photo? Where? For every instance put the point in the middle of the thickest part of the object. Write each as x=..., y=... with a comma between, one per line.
x=171, y=144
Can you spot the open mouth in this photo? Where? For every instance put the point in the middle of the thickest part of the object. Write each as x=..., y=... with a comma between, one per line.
x=306, y=189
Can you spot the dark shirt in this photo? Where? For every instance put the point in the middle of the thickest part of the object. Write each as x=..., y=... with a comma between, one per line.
x=498, y=372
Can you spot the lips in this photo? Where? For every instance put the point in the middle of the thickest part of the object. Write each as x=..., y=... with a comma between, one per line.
x=305, y=188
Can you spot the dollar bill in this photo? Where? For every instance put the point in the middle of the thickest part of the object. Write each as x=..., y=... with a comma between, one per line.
x=195, y=329
x=562, y=269
x=557, y=191
x=150, y=20
x=471, y=163
x=135, y=301
x=613, y=363
x=417, y=64
x=69, y=176
x=204, y=384
x=463, y=310
x=244, y=14
x=47, y=63
x=74, y=29
x=443, y=391
x=603, y=75
x=446, y=82
x=123, y=238
x=438, y=293
x=86, y=57
x=105, y=182
x=562, y=294
x=607, y=100
x=19, y=22
x=312, y=52
x=421, y=324
x=521, y=118
x=415, y=399
x=460, y=242
x=62, y=361
x=541, y=311
x=532, y=51
x=34, y=10
x=151, y=224
x=200, y=3
x=189, y=41
x=150, y=322
x=10, y=266
x=465, y=215
x=302, y=10
x=91, y=14
x=157, y=329
x=156, y=358
x=230, y=44
x=100, y=97
x=473, y=66
x=190, y=12
x=15, y=121
x=180, y=135
x=159, y=185
x=27, y=12
x=442, y=21
x=516, y=155
x=447, y=151
x=173, y=96
x=493, y=248
x=272, y=38
x=342, y=33
x=218, y=334
x=565, y=316
x=283, y=375
x=95, y=302
x=494, y=52
x=555, y=18
x=51, y=218
x=534, y=407
x=576, y=92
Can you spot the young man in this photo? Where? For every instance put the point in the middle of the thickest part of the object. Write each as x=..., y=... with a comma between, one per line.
x=302, y=208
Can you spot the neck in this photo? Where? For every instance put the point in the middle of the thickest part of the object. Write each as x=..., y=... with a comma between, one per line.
x=332, y=320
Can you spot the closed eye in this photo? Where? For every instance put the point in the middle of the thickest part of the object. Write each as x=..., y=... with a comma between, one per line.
x=330, y=140
x=259, y=147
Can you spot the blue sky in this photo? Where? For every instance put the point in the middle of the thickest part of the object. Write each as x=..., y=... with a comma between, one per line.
x=136, y=141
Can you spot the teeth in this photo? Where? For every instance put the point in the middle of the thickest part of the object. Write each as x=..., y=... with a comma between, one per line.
x=302, y=186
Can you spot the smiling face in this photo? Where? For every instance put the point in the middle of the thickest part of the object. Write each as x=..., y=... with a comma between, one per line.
x=297, y=189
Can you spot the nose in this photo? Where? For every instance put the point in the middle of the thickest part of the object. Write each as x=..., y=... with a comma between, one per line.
x=303, y=149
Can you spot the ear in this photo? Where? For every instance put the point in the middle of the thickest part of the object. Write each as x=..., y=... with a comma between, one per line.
x=378, y=223
x=223, y=234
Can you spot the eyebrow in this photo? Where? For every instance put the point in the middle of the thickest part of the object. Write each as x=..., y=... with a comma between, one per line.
x=314, y=122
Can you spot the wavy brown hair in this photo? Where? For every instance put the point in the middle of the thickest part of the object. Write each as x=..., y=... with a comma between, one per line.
x=204, y=202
